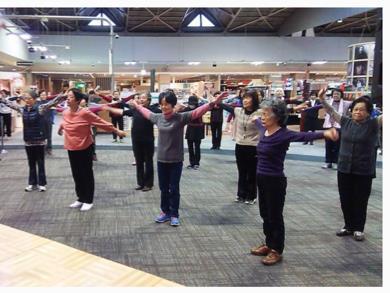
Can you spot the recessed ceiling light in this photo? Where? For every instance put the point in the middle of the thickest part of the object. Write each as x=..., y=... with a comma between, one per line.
x=130, y=63
x=193, y=63
x=319, y=62
x=257, y=63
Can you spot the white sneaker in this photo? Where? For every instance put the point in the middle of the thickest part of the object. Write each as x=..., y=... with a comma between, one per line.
x=41, y=188
x=29, y=188
x=247, y=201
x=358, y=236
x=86, y=207
x=76, y=204
x=253, y=201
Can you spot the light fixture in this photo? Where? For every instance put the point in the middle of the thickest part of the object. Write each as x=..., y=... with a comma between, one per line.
x=130, y=63
x=257, y=63
x=135, y=75
x=143, y=72
x=319, y=62
x=193, y=63
x=53, y=57
x=39, y=48
x=67, y=47
x=340, y=20
x=62, y=62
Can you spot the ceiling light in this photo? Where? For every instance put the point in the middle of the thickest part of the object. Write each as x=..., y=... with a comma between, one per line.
x=143, y=71
x=193, y=63
x=257, y=63
x=67, y=47
x=25, y=36
x=130, y=63
x=135, y=75
x=62, y=62
x=319, y=62
x=53, y=57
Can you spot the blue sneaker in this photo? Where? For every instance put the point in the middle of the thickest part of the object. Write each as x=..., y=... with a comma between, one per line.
x=163, y=217
x=175, y=221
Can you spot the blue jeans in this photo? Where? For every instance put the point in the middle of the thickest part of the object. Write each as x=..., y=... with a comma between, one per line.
x=169, y=175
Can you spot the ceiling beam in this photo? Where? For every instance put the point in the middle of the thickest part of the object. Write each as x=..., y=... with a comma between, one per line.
x=352, y=23
x=157, y=17
x=265, y=19
x=232, y=20
x=305, y=18
x=63, y=23
x=258, y=19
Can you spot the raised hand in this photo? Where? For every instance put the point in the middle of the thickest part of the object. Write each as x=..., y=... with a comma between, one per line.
x=219, y=99
x=321, y=94
x=132, y=103
x=331, y=134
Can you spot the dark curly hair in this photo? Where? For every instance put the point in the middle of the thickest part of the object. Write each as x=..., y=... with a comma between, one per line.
x=78, y=94
x=366, y=100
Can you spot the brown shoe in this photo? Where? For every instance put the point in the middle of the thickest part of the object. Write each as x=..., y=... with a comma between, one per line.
x=272, y=258
x=261, y=250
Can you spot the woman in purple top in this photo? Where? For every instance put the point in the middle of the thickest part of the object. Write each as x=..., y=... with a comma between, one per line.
x=274, y=142
x=170, y=150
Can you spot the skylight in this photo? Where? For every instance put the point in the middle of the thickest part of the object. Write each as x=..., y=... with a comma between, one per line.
x=201, y=21
x=98, y=22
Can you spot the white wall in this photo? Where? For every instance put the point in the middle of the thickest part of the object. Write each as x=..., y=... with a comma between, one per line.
x=13, y=46
x=90, y=49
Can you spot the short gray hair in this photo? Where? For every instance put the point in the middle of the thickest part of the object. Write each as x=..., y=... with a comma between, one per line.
x=278, y=108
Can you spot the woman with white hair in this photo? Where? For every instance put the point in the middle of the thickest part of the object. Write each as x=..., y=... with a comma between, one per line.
x=273, y=144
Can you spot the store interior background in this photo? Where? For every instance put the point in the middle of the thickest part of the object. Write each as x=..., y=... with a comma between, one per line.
x=157, y=48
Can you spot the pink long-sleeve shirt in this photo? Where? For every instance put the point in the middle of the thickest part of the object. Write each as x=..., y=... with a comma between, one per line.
x=77, y=128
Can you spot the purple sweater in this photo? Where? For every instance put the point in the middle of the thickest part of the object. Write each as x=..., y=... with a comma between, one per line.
x=271, y=150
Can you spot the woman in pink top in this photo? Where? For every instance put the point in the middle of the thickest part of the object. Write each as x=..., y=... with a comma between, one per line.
x=76, y=126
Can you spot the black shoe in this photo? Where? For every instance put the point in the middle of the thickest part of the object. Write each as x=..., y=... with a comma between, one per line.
x=146, y=188
x=212, y=148
x=139, y=187
x=344, y=232
x=305, y=142
x=311, y=143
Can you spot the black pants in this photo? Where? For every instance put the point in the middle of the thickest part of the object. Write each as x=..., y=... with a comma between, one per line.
x=7, y=124
x=36, y=158
x=354, y=192
x=246, y=164
x=194, y=151
x=332, y=150
x=117, y=121
x=143, y=153
x=272, y=194
x=48, y=130
x=216, y=134
x=82, y=172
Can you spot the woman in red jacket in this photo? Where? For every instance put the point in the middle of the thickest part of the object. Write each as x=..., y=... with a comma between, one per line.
x=76, y=126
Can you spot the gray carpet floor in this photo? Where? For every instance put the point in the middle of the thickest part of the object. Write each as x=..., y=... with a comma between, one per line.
x=211, y=247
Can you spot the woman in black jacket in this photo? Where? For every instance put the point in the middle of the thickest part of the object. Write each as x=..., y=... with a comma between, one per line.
x=194, y=135
x=34, y=136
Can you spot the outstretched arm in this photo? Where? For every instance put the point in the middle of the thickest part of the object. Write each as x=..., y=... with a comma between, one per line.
x=328, y=108
x=198, y=112
x=145, y=112
x=58, y=99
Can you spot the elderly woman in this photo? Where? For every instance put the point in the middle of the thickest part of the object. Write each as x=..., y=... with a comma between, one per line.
x=332, y=147
x=274, y=142
x=356, y=163
x=247, y=138
x=170, y=151
x=34, y=137
x=76, y=125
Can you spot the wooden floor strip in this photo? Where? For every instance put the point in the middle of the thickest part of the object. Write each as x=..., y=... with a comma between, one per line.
x=30, y=260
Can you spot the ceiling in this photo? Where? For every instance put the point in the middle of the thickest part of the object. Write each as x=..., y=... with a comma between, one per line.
x=174, y=21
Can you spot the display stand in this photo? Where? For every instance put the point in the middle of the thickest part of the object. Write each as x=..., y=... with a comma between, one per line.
x=359, y=69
